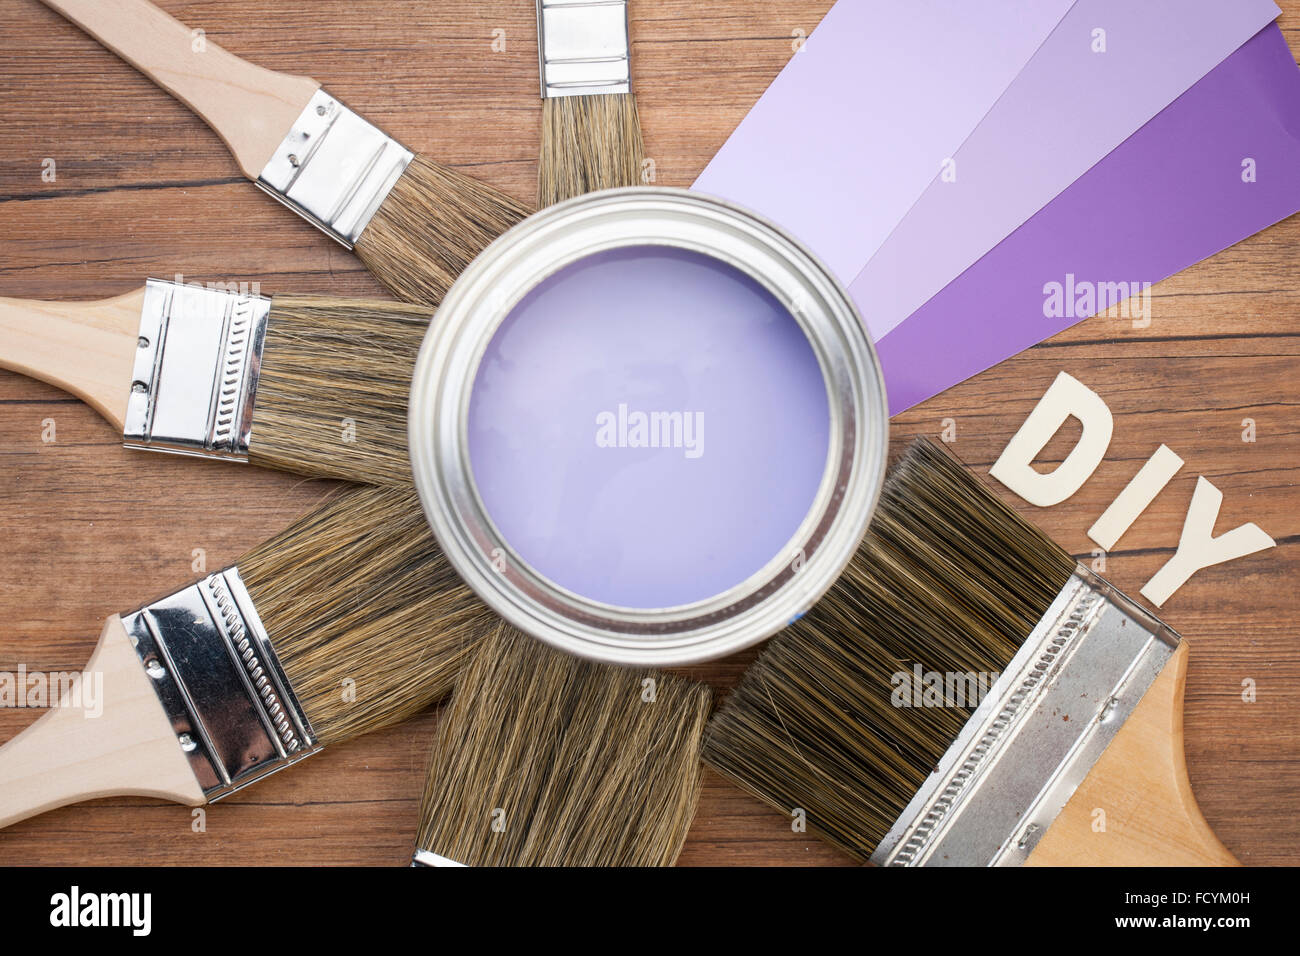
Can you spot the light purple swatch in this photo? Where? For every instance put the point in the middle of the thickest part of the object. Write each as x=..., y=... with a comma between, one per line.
x=1171, y=195
x=858, y=123
x=1066, y=110
x=596, y=507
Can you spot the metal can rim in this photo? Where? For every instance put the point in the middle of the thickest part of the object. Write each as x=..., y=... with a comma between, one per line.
x=487, y=292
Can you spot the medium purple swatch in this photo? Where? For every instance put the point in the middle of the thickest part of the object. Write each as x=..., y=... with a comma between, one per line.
x=1171, y=195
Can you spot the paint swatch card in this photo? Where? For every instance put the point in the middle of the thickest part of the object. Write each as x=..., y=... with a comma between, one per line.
x=1107, y=69
x=864, y=116
x=1218, y=165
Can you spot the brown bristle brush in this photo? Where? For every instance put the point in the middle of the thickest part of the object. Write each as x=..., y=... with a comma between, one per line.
x=415, y=224
x=591, y=133
x=313, y=385
x=347, y=622
x=543, y=759
x=967, y=694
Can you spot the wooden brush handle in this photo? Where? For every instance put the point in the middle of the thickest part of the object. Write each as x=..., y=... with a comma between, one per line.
x=1140, y=784
x=69, y=755
x=250, y=108
x=85, y=348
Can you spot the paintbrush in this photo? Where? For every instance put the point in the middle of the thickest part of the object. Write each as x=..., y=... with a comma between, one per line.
x=591, y=133
x=543, y=759
x=347, y=622
x=881, y=721
x=414, y=223
x=313, y=385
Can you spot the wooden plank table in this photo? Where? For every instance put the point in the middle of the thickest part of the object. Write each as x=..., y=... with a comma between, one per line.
x=142, y=188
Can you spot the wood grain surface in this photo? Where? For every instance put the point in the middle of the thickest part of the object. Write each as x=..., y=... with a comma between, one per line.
x=143, y=188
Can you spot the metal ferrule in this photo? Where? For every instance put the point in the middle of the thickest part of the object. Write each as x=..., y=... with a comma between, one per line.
x=425, y=858
x=218, y=679
x=1036, y=734
x=584, y=47
x=335, y=169
x=196, y=368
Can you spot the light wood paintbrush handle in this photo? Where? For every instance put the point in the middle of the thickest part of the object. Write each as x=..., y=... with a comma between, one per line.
x=1148, y=814
x=69, y=755
x=85, y=348
x=250, y=108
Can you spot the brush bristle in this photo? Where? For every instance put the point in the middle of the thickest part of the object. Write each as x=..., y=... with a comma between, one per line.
x=430, y=227
x=332, y=391
x=947, y=578
x=546, y=760
x=588, y=143
x=370, y=622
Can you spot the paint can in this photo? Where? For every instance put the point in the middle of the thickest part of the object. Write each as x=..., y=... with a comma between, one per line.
x=542, y=475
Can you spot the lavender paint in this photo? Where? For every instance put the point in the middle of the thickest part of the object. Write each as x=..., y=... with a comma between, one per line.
x=649, y=427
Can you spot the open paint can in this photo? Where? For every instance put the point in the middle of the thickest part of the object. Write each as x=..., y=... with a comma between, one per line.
x=648, y=427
